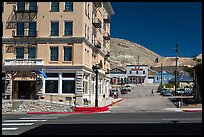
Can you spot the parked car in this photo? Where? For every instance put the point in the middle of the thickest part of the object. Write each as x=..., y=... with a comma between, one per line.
x=128, y=90
x=180, y=91
x=166, y=93
x=163, y=90
x=124, y=91
x=188, y=92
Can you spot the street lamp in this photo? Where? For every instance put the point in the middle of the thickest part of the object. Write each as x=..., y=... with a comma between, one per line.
x=95, y=68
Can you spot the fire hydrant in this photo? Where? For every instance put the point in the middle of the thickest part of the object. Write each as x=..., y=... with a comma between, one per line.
x=112, y=103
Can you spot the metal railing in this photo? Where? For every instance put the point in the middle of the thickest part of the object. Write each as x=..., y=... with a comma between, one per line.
x=27, y=62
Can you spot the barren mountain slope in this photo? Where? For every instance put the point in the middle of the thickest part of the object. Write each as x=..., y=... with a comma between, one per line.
x=124, y=52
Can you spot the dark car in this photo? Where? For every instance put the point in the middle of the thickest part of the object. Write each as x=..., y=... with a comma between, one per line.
x=166, y=93
x=162, y=91
x=188, y=92
x=128, y=90
x=123, y=91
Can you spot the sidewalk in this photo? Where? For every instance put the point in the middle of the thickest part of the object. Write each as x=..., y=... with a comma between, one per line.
x=103, y=105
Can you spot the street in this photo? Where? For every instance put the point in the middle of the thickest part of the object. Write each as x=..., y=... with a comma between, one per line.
x=140, y=99
x=132, y=123
x=139, y=113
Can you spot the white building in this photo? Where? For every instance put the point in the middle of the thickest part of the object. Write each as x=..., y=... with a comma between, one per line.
x=137, y=74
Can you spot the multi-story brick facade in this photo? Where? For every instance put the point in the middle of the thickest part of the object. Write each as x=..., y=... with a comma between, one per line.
x=63, y=40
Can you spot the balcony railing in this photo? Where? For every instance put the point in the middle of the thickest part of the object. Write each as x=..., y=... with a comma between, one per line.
x=97, y=22
x=97, y=44
x=97, y=4
x=106, y=35
x=106, y=18
x=24, y=62
x=108, y=54
x=24, y=33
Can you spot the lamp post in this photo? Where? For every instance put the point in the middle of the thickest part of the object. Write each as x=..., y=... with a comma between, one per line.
x=95, y=69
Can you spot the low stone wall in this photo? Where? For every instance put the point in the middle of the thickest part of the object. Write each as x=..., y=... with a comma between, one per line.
x=34, y=106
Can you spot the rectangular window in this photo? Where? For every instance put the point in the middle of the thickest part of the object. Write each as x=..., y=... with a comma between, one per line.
x=157, y=78
x=164, y=77
x=31, y=52
x=136, y=72
x=68, y=86
x=53, y=75
x=20, y=6
x=68, y=28
x=19, y=52
x=85, y=31
x=54, y=28
x=85, y=8
x=54, y=54
x=88, y=10
x=32, y=29
x=68, y=6
x=67, y=53
x=143, y=72
x=54, y=6
x=130, y=72
x=51, y=86
x=33, y=6
x=88, y=33
x=20, y=29
x=68, y=75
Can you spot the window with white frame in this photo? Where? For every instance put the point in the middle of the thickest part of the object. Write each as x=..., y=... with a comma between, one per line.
x=85, y=85
x=68, y=83
x=164, y=77
x=93, y=86
x=51, y=83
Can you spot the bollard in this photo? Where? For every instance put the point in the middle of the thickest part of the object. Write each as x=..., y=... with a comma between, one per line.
x=179, y=104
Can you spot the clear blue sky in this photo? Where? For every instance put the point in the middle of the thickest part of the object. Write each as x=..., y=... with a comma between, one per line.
x=158, y=26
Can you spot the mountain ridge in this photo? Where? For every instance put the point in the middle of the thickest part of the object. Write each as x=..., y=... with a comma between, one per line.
x=124, y=52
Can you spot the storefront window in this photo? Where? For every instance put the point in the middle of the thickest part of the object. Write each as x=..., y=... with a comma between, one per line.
x=68, y=86
x=51, y=86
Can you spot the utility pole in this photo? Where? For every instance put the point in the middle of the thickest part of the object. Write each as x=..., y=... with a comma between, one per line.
x=176, y=66
x=161, y=74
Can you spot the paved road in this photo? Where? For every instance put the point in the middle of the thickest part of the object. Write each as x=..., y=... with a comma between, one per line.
x=107, y=123
x=140, y=99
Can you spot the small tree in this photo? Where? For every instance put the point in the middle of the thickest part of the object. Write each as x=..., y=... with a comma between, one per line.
x=118, y=81
x=122, y=82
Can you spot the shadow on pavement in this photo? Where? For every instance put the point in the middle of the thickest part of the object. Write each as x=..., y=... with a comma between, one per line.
x=118, y=129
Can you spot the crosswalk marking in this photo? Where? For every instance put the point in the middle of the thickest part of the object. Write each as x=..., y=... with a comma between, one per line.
x=17, y=124
x=9, y=129
x=10, y=125
x=23, y=120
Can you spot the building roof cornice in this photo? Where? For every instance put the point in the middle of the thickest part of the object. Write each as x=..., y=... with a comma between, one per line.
x=108, y=8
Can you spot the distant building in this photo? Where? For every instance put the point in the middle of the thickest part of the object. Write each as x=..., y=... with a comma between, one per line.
x=137, y=74
x=151, y=74
x=183, y=80
x=164, y=76
x=118, y=75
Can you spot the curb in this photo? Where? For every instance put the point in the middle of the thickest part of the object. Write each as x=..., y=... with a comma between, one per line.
x=81, y=110
x=192, y=110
